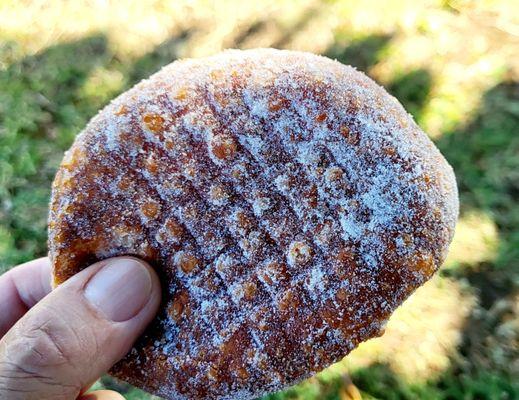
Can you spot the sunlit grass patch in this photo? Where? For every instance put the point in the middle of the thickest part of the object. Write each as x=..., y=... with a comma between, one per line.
x=422, y=335
x=476, y=241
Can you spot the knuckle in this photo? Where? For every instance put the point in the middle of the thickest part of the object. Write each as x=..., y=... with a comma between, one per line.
x=47, y=351
x=45, y=341
x=37, y=348
x=21, y=381
x=44, y=349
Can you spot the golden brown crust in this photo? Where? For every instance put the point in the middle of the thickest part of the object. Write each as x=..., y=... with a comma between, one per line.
x=288, y=203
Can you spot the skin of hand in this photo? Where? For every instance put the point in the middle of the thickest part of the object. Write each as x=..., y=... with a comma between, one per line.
x=55, y=344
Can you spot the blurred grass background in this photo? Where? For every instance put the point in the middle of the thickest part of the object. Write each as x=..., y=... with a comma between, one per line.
x=453, y=64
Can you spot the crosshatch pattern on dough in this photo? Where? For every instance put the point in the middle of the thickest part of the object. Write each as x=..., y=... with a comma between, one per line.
x=287, y=201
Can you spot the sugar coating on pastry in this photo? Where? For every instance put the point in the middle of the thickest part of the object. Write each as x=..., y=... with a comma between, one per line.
x=288, y=203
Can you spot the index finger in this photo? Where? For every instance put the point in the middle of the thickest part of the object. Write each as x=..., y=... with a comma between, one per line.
x=21, y=288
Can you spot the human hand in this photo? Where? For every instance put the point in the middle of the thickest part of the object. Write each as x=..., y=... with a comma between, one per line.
x=54, y=345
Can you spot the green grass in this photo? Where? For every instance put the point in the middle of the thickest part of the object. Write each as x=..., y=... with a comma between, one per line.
x=47, y=97
x=485, y=155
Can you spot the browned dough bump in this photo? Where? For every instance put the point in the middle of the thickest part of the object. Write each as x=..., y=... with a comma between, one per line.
x=287, y=201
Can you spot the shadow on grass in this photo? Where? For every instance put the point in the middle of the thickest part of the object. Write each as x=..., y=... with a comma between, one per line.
x=248, y=32
x=43, y=106
x=303, y=21
x=360, y=53
x=280, y=36
x=40, y=90
x=161, y=55
x=40, y=113
x=485, y=158
x=412, y=90
x=380, y=382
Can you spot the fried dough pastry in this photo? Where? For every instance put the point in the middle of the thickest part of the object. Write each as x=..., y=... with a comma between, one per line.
x=288, y=203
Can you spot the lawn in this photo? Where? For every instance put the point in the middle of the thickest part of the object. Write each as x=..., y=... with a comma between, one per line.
x=454, y=66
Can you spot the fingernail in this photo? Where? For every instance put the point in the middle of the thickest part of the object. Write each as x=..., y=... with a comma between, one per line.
x=120, y=289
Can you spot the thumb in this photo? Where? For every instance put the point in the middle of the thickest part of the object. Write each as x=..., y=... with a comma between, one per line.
x=78, y=331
